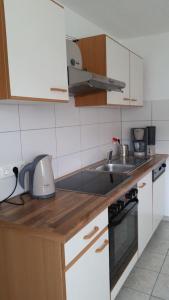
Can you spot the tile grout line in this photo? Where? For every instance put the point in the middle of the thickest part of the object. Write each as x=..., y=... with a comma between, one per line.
x=55, y=130
x=20, y=130
x=121, y=123
x=151, y=113
x=59, y=127
x=136, y=291
x=80, y=125
x=159, y=272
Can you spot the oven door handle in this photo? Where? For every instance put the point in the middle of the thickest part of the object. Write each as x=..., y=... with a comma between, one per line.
x=118, y=220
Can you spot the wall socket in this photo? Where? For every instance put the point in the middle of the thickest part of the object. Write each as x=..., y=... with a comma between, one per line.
x=7, y=170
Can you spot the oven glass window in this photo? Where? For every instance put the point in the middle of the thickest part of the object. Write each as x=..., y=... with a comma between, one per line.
x=123, y=244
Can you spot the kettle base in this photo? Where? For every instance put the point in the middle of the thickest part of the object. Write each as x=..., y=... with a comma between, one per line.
x=43, y=197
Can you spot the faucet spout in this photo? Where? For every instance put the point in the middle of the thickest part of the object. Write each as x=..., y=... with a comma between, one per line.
x=110, y=156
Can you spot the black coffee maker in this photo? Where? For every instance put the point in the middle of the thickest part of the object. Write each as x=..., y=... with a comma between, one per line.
x=143, y=141
x=139, y=137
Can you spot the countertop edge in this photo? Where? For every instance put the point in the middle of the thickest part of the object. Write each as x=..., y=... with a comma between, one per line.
x=48, y=233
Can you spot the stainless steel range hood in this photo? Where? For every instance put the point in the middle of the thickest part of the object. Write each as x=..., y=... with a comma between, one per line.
x=82, y=82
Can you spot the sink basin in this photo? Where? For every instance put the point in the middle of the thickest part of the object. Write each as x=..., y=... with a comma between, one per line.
x=120, y=165
x=115, y=168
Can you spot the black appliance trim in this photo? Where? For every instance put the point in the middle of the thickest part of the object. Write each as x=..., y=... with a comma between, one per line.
x=157, y=172
x=125, y=207
x=130, y=205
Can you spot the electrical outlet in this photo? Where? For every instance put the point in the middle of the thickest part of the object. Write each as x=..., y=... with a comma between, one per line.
x=7, y=170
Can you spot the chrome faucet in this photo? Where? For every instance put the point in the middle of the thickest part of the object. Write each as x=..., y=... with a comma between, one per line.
x=110, y=156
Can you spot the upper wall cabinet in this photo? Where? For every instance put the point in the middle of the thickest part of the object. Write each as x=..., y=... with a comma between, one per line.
x=136, y=80
x=34, y=50
x=102, y=55
x=117, y=65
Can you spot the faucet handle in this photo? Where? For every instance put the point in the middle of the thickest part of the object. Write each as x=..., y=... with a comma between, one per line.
x=116, y=140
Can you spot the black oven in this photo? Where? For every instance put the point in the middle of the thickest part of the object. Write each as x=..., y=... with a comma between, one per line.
x=123, y=233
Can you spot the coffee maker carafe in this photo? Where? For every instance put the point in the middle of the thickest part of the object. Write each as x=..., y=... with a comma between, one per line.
x=139, y=137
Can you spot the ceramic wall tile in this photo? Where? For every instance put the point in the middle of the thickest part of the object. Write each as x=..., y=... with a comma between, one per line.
x=36, y=142
x=160, y=110
x=36, y=116
x=66, y=114
x=89, y=136
x=68, y=140
x=10, y=147
x=9, y=118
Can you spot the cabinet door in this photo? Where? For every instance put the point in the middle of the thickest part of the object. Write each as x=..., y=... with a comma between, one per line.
x=36, y=49
x=117, y=68
x=144, y=211
x=136, y=80
x=88, y=278
x=158, y=200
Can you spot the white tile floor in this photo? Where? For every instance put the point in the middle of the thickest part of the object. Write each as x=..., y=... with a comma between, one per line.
x=149, y=280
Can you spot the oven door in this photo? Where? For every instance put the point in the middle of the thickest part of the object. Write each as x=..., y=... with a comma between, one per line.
x=123, y=239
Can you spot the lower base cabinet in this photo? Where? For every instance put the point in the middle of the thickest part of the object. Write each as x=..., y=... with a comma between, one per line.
x=158, y=200
x=88, y=278
x=145, y=212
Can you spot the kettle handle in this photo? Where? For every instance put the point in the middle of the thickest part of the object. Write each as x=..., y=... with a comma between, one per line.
x=27, y=168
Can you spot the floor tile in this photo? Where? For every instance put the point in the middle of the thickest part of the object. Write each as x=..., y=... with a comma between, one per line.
x=161, y=288
x=155, y=298
x=162, y=231
x=129, y=294
x=164, y=223
x=156, y=245
x=151, y=261
x=141, y=280
x=165, y=267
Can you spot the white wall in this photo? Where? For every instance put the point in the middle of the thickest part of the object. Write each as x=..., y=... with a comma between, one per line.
x=74, y=137
x=155, y=51
x=77, y=26
x=77, y=137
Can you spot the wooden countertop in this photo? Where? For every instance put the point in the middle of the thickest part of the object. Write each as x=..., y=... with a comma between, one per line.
x=65, y=214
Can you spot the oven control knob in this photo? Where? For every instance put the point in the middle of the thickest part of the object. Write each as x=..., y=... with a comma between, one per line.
x=134, y=192
x=114, y=210
x=128, y=195
x=121, y=204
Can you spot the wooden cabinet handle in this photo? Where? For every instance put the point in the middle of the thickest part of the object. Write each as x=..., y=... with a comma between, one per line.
x=91, y=234
x=134, y=100
x=99, y=250
x=58, y=90
x=126, y=99
x=142, y=185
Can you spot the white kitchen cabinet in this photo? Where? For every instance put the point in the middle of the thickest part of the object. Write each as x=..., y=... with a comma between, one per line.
x=88, y=278
x=103, y=55
x=158, y=200
x=136, y=80
x=36, y=50
x=145, y=212
x=82, y=239
x=118, y=68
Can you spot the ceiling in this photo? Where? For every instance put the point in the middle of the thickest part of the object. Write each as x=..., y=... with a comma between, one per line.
x=125, y=18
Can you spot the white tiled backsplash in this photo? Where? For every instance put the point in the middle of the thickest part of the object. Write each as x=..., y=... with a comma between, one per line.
x=153, y=113
x=75, y=137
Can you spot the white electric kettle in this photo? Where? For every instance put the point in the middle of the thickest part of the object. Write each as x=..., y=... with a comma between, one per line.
x=41, y=178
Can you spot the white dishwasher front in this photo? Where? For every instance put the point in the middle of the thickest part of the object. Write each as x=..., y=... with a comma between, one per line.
x=158, y=177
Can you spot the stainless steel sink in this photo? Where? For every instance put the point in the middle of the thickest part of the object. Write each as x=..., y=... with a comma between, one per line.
x=114, y=168
x=120, y=165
